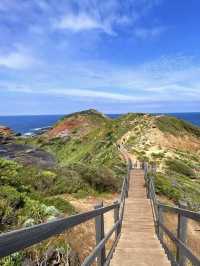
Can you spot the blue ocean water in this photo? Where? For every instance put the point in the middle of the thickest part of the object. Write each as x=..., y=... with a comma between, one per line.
x=193, y=118
x=25, y=124
x=28, y=123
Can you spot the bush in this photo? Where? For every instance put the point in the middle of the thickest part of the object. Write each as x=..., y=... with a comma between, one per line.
x=180, y=167
x=102, y=179
x=165, y=187
x=13, y=260
x=176, y=126
x=60, y=204
x=6, y=213
x=14, y=198
x=37, y=211
x=70, y=182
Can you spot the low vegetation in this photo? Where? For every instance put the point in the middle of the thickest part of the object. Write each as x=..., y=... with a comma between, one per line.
x=176, y=126
x=87, y=164
x=173, y=144
x=25, y=196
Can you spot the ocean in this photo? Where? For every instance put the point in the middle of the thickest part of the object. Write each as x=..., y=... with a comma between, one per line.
x=32, y=123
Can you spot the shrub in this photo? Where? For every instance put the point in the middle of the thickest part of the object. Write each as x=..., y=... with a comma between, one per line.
x=176, y=126
x=13, y=260
x=14, y=198
x=165, y=187
x=38, y=212
x=60, y=204
x=6, y=213
x=102, y=179
x=180, y=167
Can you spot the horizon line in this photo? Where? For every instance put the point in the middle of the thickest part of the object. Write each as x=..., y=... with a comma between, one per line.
x=16, y=115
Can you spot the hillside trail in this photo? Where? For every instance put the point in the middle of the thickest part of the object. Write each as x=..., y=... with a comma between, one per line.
x=138, y=244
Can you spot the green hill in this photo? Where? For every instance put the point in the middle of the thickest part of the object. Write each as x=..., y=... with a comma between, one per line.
x=79, y=157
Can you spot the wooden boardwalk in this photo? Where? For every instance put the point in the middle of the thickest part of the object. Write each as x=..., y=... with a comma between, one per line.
x=138, y=244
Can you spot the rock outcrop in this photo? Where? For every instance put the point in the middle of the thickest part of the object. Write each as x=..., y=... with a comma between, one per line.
x=78, y=124
x=5, y=131
x=6, y=134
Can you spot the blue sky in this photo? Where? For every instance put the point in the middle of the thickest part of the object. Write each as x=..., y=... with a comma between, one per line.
x=60, y=56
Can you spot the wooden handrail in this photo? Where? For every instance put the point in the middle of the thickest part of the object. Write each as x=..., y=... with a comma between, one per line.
x=19, y=239
x=183, y=251
x=189, y=214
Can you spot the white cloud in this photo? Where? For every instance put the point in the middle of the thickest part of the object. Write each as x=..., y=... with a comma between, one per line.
x=79, y=22
x=174, y=78
x=161, y=80
x=84, y=94
x=18, y=58
x=104, y=16
x=94, y=94
x=85, y=22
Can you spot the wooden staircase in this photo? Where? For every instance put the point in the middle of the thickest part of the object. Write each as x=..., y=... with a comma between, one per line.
x=138, y=244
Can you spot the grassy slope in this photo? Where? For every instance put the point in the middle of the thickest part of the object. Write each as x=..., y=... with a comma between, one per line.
x=176, y=127
x=93, y=150
x=88, y=164
x=178, y=176
x=25, y=195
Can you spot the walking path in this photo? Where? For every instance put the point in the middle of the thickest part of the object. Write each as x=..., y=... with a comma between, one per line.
x=138, y=244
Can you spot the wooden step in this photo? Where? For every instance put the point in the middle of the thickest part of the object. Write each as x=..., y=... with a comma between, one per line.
x=138, y=244
x=137, y=261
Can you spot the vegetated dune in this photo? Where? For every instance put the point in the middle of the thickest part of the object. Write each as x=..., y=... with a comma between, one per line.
x=175, y=147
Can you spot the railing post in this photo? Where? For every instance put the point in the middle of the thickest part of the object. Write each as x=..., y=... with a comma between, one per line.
x=99, y=227
x=182, y=234
x=126, y=186
x=148, y=188
x=116, y=219
x=160, y=221
x=150, y=185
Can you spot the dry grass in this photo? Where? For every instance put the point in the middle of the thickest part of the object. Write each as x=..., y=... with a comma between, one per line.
x=193, y=235
x=84, y=235
x=81, y=239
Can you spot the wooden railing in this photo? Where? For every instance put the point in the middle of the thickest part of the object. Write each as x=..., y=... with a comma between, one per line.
x=183, y=252
x=18, y=240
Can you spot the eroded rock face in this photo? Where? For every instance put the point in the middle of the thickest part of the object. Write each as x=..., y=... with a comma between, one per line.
x=77, y=124
x=5, y=131
x=6, y=134
x=26, y=154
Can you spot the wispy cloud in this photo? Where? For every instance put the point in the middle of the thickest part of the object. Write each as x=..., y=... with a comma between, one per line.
x=91, y=49
x=16, y=60
x=146, y=33
x=104, y=16
x=80, y=22
x=81, y=93
x=19, y=58
x=160, y=80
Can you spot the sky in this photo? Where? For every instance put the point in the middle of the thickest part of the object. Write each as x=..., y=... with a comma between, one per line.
x=61, y=56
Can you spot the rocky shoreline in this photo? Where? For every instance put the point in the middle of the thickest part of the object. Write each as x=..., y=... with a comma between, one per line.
x=23, y=153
